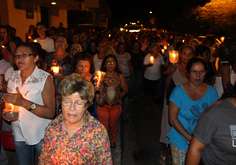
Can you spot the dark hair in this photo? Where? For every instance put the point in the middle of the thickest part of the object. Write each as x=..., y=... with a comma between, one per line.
x=7, y=30
x=201, y=49
x=28, y=45
x=185, y=46
x=104, y=69
x=194, y=61
x=85, y=57
x=211, y=38
x=179, y=45
x=134, y=42
x=230, y=92
x=89, y=49
x=33, y=27
x=121, y=43
x=41, y=23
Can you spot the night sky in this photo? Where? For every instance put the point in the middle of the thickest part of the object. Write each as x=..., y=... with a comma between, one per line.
x=126, y=11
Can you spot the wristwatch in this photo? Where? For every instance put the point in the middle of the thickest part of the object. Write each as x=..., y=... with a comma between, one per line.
x=32, y=106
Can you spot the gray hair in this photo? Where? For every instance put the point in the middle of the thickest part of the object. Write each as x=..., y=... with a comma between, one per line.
x=76, y=83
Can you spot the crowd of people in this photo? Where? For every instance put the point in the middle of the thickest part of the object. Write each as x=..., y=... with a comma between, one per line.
x=71, y=115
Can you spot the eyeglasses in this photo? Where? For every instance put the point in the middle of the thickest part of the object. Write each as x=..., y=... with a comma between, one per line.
x=110, y=62
x=25, y=55
x=75, y=49
x=77, y=104
x=197, y=72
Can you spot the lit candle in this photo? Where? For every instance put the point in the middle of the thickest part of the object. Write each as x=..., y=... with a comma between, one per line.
x=183, y=41
x=55, y=69
x=165, y=47
x=163, y=51
x=35, y=41
x=29, y=37
x=151, y=59
x=222, y=39
x=173, y=56
x=3, y=46
x=99, y=78
x=109, y=35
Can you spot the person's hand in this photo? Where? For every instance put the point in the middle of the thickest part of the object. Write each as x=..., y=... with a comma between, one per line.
x=173, y=68
x=100, y=89
x=14, y=98
x=58, y=76
x=150, y=65
x=113, y=101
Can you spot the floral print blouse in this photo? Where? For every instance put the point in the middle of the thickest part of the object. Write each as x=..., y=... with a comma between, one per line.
x=89, y=145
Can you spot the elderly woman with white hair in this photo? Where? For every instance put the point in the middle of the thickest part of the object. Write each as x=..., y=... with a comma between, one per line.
x=75, y=48
x=75, y=137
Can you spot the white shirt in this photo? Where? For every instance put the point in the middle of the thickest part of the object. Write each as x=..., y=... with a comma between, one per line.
x=46, y=44
x=97, y=62
x=153, y=72
x=123, y=63
x=4, y=66
x=218, y=81
x=29, y=127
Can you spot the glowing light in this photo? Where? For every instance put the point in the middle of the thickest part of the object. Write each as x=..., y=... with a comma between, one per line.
x=29, y=37
x=109, y=35
x=133, y=23
x=3, y=47
x=126, y=24
x=35, y=41
x=151, y=59
x=150, y=12
x=134, y=30
x=222, y=39
x=163, y=51
x=53, y=3
x=121, y=29
x=165, y=47
x=137, y=21
x=55, y=69
x=173, y=56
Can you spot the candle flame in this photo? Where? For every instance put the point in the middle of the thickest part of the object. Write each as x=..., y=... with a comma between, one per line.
x=222, y=39
x=162, y=50
x=35, y=41
x=29, y=37
x=151, y=59
x=3, y=46
x=165, y=47
x=55, y=69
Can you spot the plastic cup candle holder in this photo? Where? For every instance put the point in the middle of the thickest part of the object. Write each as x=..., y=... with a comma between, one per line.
x=162, y=51
x=173, y=56
x=222, y=38
x=55, y=69
x=151, y=59
x=10, y=112
x=111, y=92
x=99, y=77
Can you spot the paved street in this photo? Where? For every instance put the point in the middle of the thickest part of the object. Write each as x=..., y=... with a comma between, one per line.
x=141, y=133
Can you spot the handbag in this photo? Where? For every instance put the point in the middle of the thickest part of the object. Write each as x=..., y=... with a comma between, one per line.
x=6, y=137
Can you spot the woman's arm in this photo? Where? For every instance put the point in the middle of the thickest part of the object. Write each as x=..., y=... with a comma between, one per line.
x=225, y=74
x=13, y=47
x=169, y=71
x=194, y=152
x=174, y=121
x=47, y=111
x=123, y=86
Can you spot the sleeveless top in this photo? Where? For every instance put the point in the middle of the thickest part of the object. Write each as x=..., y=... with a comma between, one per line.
x=218, y=81
x=113, y=82
x=178, y=78
x=29, y=127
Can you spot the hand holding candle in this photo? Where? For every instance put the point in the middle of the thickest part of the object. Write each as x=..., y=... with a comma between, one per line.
x=10, y=113
x=173, y=56
x=99, y=77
